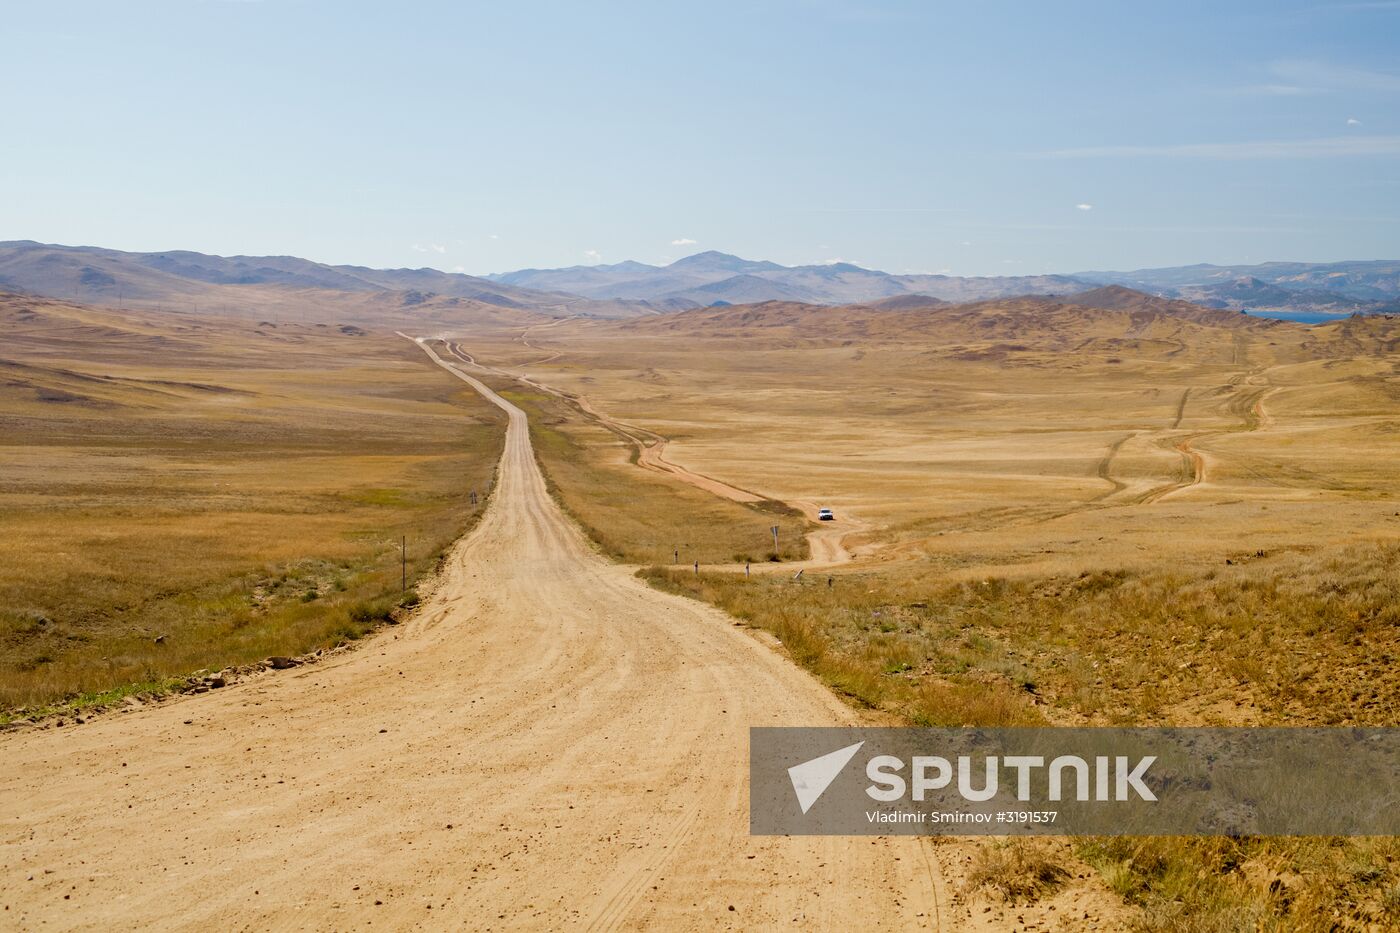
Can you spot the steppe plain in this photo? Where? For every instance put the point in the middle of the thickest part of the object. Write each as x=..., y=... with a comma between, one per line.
x=1105, y=510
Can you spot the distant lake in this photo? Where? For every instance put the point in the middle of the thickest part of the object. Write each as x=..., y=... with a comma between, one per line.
x=1299, y=317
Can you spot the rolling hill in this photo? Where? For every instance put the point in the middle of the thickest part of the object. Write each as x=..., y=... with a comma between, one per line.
x=188, y=279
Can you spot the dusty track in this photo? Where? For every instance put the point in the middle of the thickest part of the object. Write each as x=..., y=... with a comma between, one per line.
x=826, y=543
x=1246, y=402
x=547, y=743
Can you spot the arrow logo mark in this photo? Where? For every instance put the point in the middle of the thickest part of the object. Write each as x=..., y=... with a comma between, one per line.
x=811, y=778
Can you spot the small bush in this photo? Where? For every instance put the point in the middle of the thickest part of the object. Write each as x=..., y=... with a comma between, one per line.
x=372, y=611
x=1017, y=871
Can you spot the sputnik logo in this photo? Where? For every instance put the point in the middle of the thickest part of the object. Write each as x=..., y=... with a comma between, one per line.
x=811, y=778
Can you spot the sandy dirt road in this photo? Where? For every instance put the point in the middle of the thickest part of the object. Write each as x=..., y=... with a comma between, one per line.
x=547, y=743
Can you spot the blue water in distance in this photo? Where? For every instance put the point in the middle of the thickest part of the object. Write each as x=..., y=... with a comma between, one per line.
x=1299, y=317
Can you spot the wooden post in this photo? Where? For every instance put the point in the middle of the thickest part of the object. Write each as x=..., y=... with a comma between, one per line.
x=403, y=564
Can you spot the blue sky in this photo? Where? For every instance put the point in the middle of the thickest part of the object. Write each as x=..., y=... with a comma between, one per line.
x=974, y=138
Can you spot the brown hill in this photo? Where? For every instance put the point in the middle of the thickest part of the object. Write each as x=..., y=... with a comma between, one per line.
x=1120, y=324
x=1111, y=310
x=1121, y=298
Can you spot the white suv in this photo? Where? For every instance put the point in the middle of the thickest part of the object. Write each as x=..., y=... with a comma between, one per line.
x=824, y=515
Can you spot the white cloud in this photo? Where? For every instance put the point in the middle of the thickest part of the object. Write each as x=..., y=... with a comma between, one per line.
x=684, y=241
x=1084, y=207
x=1352, y=121
x=592, y=255
x=430, y=248
x=494, y=236
x=461, y=269
x=1262, y=149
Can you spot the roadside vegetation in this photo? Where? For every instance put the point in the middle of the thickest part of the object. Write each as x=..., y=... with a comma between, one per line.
x=638, y=516
x=1293, y=639
x=1296, y=639
x=242, y=498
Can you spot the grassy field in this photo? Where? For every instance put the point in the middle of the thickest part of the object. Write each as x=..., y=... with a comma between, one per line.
x=1069, y=518
x=184, y=494
x=1293, y=639
x=638, y=516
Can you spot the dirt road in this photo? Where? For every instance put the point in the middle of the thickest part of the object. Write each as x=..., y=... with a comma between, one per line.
x=547, y=743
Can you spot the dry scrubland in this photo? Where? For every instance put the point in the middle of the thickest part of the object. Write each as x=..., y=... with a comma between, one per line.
x=185, y=493
x=639, y=516
x=1141, y=513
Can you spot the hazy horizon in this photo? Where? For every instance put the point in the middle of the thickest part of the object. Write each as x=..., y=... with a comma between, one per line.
x=753, y=258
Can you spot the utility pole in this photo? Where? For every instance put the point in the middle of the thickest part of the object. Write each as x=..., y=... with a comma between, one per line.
x=774, y=529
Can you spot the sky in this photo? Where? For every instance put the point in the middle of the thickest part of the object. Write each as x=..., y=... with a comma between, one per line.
x=987, y=138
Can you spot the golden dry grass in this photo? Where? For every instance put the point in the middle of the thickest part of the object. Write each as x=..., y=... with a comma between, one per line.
x=1016, y=869
x=638, y=516
x=236, y=491
x=1072, y=517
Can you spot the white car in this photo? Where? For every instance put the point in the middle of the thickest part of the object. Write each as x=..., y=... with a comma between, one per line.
x=825, y=515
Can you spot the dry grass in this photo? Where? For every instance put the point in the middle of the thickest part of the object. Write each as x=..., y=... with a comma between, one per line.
x=237, y=493
x=638, y=516
x=1018, y=870
x=1220, y=885
x=866, y=643
x=1297, y=639
x=1076, y=517
x=1294, y=639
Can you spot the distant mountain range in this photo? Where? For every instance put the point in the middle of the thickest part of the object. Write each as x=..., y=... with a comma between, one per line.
x=712, y=277
x=627, y=289
x=1327, y=287
x=107, y=276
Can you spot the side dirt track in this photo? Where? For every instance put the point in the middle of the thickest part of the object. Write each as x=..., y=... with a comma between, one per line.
x=548, y=742
x=826, y=542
